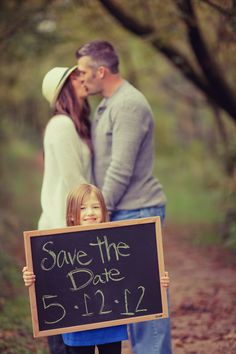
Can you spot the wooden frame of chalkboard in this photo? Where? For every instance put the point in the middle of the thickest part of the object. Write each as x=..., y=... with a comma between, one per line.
x=96, y=276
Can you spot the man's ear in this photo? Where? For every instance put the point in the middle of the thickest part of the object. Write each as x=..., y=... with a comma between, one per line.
x=101, y=72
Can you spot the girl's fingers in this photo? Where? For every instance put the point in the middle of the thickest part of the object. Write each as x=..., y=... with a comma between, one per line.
x=165, y=280
x=29, y=281
x=29, y=277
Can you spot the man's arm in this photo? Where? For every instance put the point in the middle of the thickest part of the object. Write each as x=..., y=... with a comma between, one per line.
x=131, y=124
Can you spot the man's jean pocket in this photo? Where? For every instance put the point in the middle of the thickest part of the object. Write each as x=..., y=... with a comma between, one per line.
x=139, y=213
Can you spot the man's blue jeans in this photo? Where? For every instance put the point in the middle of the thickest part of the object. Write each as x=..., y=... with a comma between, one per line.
x=150, y=337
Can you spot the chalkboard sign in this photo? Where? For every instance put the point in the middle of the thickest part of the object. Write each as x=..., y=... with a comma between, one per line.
x=96, y=276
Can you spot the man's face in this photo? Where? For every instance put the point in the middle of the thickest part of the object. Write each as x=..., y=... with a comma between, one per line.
x=89, y=76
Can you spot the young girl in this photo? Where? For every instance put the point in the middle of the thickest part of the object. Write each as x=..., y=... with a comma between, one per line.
x=86, y=205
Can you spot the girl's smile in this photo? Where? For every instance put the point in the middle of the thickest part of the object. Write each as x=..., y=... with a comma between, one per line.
x=91, y=211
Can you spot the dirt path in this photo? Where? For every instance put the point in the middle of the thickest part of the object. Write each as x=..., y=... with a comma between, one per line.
x=203, y=296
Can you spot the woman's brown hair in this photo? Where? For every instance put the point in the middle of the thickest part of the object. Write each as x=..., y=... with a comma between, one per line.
x=68, y=104
x=75, y=200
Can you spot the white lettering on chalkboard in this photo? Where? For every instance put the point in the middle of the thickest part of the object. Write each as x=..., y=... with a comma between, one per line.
x=46, y=306
x=82, y=277
x=125, y=301
x=75, y=282
x=62, y=257
x=106, y=250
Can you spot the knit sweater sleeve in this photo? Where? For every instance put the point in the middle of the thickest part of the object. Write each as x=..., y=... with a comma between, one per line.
x=130, y=126
x=65, y=145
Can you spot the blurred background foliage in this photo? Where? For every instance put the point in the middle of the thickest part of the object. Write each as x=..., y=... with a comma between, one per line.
x=181, y=55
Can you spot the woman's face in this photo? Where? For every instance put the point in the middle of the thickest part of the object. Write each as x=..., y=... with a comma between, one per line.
x=91, y=211
x=80, y=90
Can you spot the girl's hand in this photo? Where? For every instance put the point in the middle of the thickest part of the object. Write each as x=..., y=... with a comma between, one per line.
x=28, y=277
x=165, y=281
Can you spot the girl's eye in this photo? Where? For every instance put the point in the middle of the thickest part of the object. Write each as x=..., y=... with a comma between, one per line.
x=82, y=207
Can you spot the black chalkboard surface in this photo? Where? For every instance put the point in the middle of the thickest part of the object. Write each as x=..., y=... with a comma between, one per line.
x=96, y=276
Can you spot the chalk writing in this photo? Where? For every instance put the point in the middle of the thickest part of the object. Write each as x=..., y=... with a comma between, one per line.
x=81, y=278
x=105, y=249
x=54, y=305
x=104, y=277
x=62, y=257
x=126, y=300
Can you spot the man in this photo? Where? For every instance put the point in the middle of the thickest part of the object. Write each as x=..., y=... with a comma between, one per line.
x=122, y=135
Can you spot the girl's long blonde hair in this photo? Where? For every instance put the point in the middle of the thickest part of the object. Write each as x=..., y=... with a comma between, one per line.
x=75, y=200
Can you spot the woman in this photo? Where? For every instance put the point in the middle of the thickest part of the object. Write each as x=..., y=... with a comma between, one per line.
x=67, y=152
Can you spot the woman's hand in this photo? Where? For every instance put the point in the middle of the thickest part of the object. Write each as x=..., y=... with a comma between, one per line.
x=165, y=281
x=28, y=277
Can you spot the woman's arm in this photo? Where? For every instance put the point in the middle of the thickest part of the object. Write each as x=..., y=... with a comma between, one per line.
x=65, y=145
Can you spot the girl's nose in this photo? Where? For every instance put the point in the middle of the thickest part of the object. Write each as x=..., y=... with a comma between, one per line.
x=90, y=211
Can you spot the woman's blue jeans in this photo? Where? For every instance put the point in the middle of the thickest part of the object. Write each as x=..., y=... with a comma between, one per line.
x=150, y=337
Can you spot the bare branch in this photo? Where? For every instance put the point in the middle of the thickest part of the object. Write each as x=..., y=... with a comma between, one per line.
x=212, y=72
x=185, y=67
x=220, y=9
x=210, y=82
x=126, y=21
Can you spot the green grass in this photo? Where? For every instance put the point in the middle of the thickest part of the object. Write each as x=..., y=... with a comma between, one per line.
x=193, y=188
x=19, y=212
x=25, y=178
x=16, y=331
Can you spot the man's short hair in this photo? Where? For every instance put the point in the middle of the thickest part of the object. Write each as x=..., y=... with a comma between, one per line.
x=102, y=53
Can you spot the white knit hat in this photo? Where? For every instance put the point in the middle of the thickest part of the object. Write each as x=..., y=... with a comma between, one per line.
x=53, y=82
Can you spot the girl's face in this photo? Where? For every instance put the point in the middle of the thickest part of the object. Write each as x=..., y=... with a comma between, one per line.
x=91, y=211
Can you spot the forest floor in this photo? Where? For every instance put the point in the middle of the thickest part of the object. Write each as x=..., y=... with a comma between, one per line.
x=203, y=295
